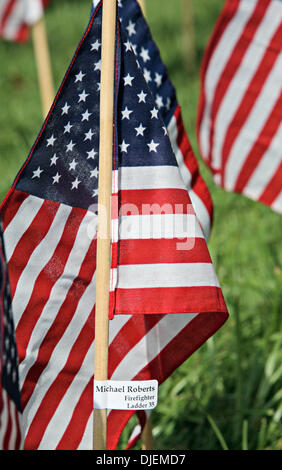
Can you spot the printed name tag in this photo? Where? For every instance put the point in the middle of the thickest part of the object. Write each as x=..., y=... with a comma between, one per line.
x=125, y=394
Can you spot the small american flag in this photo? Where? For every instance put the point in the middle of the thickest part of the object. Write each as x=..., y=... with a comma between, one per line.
x=160, y=262
x=240, y=109
x=10, y=430
x=16, y=16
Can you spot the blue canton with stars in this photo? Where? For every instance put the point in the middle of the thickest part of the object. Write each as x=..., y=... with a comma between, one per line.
x=63, y=165
x=9, y=356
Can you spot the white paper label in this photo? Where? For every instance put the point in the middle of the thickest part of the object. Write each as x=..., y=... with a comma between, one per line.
x=125, y=394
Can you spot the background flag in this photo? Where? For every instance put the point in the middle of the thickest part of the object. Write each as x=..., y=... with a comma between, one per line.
x=160, y=262
x=239, y=125
x=16, y=16
x=10, y=431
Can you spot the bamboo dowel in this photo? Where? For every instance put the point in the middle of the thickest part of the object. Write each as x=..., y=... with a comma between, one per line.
x=104, y=213
x=142, y=4
x=188, y=36
x=43, y=65
x=147, y=435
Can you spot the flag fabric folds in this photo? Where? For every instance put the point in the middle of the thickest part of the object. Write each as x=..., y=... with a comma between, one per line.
x=10, y=405
x=165, y=299
x=16, y=16
x=239, y=126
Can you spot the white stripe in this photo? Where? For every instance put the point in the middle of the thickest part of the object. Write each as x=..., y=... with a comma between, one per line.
x=159, y=226
x=277, y=204
x=199, y=206
x=3, y=5
x=20, y=223
x=266, y=168
x=217, y=63
x=39, y=258
x=150, y=177
x=251, y=129
x=58, y=295
x=243, y=77
x=13, y=435
x=151, y=345
x=4, y=416
x=150, y=276
x=14, y=21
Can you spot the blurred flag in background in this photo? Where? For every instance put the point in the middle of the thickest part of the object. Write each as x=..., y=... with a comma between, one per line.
x=16, y=16
x=239, y=126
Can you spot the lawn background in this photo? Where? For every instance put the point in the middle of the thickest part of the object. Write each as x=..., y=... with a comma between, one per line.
x=228, y=395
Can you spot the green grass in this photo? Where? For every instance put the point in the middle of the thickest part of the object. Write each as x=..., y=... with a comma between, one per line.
x=228, y=395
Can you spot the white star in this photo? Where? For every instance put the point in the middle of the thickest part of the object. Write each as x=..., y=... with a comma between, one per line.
x=85, y=116
x=37, y=173
x=98, y=86
x=95, y=193
x=68, y=127
x=147, y=75
x=94, y=173
x=159, y=101
x=53, y=160
x=152, y=146
x=128, y=80
x=75, y=184
x=56, y=178
x=123, y=146
x=79, y=77
x=145, y=54
x=165, y=130
x=89, y=135
x=134, y=48
x=127, y=45
x=119, y=3
x=96, y=45
x=91, y=154
x=142, y=97
x=97, y=65
x=51, y=140
x=168, y=103
x=125, y=113
x=70, y=146
x=83, y=96
x=65, y=109
x=158, y=79
x=140, y=130
x=154, y=113
x=72, y=165
x=131, y=28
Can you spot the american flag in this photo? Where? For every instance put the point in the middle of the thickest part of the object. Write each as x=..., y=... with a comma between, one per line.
x=160, y=262
x=16, y=16
x=10, y=405
x=239, y=124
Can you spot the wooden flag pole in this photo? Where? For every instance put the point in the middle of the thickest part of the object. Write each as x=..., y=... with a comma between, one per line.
x=104, y=213
x=142, y=4
x=43, y=64
x=188, y=34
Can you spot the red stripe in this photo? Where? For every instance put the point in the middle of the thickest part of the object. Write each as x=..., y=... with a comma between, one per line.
x=251, y=95
x=273, y=188
x=197, y=183
x=260, y=146
x=8, y=429
x=153, y=252
x=7, y=12
x=226, y=16
x=128, y=336
x=8, y=211
x=169, y=300
x=234, y=63
x=46, y=280
x=60, y=323
x=58, y=388
x=147, y=201
x=29, y=241
x=78, y=421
